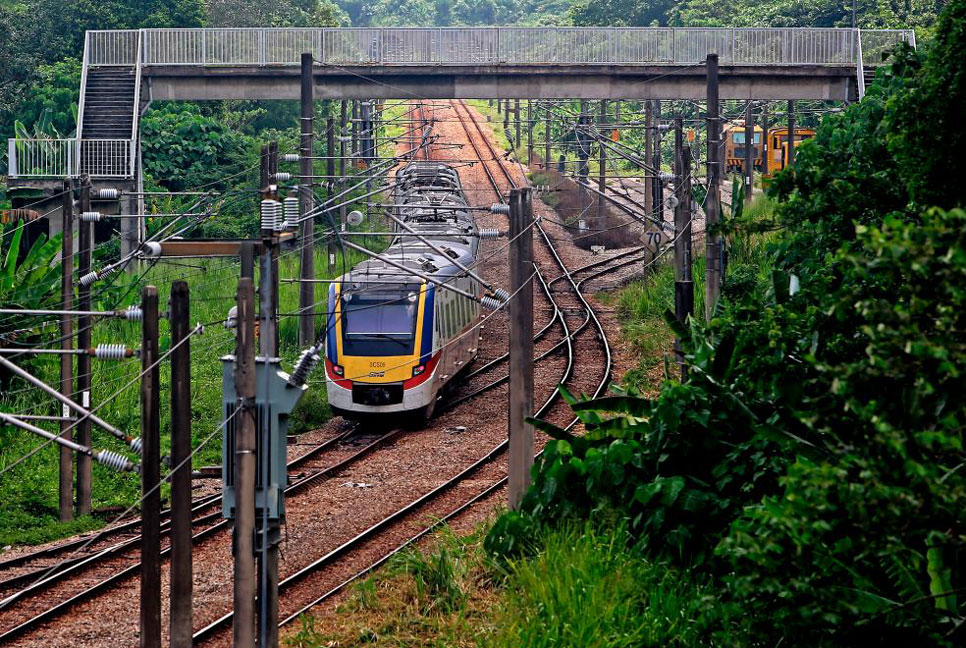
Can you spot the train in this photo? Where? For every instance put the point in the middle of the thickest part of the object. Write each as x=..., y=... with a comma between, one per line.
x=778, y=146
x=396, y=339
x=775, y=146
x=734, y=146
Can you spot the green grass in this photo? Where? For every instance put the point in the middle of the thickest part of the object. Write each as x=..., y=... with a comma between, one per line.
x=28, y=491
x=583, y=586
x=586, y=587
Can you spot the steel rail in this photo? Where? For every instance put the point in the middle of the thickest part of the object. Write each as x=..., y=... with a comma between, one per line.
x=601, y=387
x=101, y=586
x=221, y=623
x=198, y=505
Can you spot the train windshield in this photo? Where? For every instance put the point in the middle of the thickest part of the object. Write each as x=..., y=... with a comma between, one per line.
x=379, y=323
x=738, y=137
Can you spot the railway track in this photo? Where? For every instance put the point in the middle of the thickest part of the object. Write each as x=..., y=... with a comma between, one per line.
x=498, y=484
x=53, y=591
x=299, y=591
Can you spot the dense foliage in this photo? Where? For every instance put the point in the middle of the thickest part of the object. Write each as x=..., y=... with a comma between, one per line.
x=812, y=463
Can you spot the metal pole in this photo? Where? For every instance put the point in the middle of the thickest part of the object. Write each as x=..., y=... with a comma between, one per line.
x=267, y=530
x=529, y=132
x=521, y=343
x=307, y=226
x=180, y=621
x=66, y=487
x=546, y=135
x=602, y=179
x=657, y=203
x=342, y=157
x=713, y=251
x=791, y=133
x=243, y=532
x=617, y=117
x=355, y=128
x=67, y=401
x=263, y=168
x=749, y=161
x=150, y=474
x=648, y=156
x=330, y=171
x=85, y=233
x=516, y=117
x=506, y=118
x=683, y=284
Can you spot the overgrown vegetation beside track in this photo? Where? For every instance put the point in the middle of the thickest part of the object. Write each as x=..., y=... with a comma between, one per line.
x=809, y=471
x=584, y=587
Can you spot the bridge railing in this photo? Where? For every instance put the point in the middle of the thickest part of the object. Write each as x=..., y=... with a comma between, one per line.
x=492, y=45
x=69, y=157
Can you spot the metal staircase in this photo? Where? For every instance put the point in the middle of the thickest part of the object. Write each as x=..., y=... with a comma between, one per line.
x=109, y=96
x=108, y=110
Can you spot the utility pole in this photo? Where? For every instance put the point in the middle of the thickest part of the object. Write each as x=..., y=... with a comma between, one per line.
x=658, y=201
x=307, y=226
x=85, y=234
x=180, y=620
x=602, y=178
x=683, y=281
x=243, y=532
x=355, y=129
x=712, y=203
x=521, y=343
x=264, y=180
x=546, y=135
x=268, y=531
x=529, y=132
x=150, y=473
x=330, y=184
x=649, y=176
x=66, y=487
x=791, y=133
x=749, y=161
x=506, y=117
x=342, y=176
x=617, y=118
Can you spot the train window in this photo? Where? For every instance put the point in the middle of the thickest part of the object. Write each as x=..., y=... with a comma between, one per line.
x=445, y=324
x=449, y=318
x=738, y=137
x=378, y=324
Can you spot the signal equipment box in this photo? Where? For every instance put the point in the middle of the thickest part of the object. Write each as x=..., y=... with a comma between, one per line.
x=275, y=398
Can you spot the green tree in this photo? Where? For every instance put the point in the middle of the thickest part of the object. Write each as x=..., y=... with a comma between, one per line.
x=640, y=13
x=269, y=13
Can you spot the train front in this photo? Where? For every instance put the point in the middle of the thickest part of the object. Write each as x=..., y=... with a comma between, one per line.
x=378, y=351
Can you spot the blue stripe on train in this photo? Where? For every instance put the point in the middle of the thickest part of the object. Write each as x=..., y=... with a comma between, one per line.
x=331, y=350
x=426, y=350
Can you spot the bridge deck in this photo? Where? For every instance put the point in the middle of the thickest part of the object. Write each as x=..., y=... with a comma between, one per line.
x=561, y=81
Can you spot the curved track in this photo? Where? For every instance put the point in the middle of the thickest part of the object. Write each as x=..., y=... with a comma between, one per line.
x=543, y=411
x=571, y=310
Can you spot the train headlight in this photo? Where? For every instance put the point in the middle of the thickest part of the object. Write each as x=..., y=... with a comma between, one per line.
x=338, y=370
x=418, y=370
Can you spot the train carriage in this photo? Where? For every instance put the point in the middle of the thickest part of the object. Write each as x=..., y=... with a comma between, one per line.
x=396, y=338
